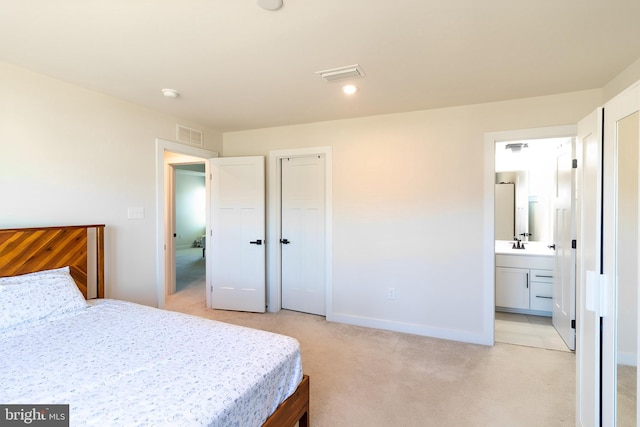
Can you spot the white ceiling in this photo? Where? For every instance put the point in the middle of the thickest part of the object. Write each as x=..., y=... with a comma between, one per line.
x=240, y=67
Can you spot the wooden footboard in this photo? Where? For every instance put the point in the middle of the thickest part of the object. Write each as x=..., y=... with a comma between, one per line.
x=293, y=410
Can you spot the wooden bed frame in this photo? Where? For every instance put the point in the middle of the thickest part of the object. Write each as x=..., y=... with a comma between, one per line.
x=27, y=250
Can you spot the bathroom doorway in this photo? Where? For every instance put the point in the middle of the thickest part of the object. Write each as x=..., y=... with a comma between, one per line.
x=533, y=214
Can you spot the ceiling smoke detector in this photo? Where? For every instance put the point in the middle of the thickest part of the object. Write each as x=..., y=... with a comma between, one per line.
x=270, y=4
x=170, y=93
x=340, y=73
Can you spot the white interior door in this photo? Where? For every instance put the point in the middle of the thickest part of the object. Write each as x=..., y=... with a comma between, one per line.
x=564, y=258
x=589, y=223
x=620, y=252
x=236, y=240
x=303, y=234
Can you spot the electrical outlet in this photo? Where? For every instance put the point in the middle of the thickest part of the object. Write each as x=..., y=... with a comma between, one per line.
x=391, y=293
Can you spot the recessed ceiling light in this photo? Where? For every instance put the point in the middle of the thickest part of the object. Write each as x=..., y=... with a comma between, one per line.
x=170, y=93
x=349, y=89
x=270, y=4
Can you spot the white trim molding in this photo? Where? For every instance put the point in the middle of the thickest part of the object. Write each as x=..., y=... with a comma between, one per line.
x=162, y=146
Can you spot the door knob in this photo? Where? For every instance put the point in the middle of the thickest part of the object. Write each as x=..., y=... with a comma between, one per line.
x=284, y=241
x=256, y=242
x=552, y=246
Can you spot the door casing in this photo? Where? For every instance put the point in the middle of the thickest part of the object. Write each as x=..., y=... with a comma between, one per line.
x=163, y=145
x=488, y=279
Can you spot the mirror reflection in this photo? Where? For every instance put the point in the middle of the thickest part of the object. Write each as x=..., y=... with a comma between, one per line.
x=627, y=269
x=525, y=173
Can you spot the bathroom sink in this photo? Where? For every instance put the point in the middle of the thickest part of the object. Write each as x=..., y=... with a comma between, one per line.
x=505, y=247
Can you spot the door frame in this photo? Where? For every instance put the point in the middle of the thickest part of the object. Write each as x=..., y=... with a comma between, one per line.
x=274, y=214
x=163, y=145
x=488, y=279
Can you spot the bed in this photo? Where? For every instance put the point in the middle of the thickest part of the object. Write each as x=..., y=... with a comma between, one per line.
x=123, y=364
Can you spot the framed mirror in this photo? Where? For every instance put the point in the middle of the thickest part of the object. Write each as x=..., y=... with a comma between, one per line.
x=525, y=173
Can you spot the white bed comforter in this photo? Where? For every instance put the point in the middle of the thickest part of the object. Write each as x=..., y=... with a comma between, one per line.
x=122, y=364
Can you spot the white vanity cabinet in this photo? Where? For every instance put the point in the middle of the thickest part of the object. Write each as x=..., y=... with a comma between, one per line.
x=524, y=284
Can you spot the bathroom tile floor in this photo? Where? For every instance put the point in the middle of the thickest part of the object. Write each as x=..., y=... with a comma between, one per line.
x=527, y=330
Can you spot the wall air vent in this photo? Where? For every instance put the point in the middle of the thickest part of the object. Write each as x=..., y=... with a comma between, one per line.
x=342, y=73
x=189, y=136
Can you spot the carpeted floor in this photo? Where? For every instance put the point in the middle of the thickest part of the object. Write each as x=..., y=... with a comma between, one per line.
x=369, y=377
x=190, y=268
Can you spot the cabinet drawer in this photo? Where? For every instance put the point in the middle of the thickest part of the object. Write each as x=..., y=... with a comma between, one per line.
x=541, y=296
x=541, y=276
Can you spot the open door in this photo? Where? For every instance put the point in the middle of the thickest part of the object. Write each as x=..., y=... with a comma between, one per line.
x=236, y=241
x=589, y=269
x=564, y=302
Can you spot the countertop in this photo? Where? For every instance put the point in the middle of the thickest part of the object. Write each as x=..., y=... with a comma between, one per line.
x=504, y=247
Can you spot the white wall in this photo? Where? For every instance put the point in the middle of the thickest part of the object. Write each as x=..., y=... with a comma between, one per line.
x=73, y=156
x=408, y=207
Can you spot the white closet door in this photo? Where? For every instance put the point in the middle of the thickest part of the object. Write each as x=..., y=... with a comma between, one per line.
x=617, y=111
x=303, y=234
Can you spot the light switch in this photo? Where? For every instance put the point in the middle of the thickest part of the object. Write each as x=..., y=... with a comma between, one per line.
x=135, y=213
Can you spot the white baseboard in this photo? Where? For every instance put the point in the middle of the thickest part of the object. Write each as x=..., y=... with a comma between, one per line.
x=411, y=328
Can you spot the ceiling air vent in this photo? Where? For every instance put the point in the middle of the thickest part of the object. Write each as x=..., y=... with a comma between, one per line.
x=190, y=136
x=342, y=73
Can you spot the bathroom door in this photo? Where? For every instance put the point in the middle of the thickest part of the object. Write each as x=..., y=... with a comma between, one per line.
x=564, y=302
x=235, y=245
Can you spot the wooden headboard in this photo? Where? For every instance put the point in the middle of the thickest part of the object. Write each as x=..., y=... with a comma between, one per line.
x=27, y=250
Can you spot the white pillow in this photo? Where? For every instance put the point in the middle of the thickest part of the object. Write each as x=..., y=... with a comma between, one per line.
x=32, y=276
x=36, y=296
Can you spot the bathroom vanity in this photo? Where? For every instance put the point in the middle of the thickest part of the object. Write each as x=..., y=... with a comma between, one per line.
x=524, y=278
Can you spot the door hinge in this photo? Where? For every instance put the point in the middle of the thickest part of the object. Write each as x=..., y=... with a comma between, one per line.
x=573, y=323
x=574, y=244
x=574, y=164
x=596, y=293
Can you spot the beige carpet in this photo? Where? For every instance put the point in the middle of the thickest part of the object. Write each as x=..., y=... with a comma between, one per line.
x=368, y=377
